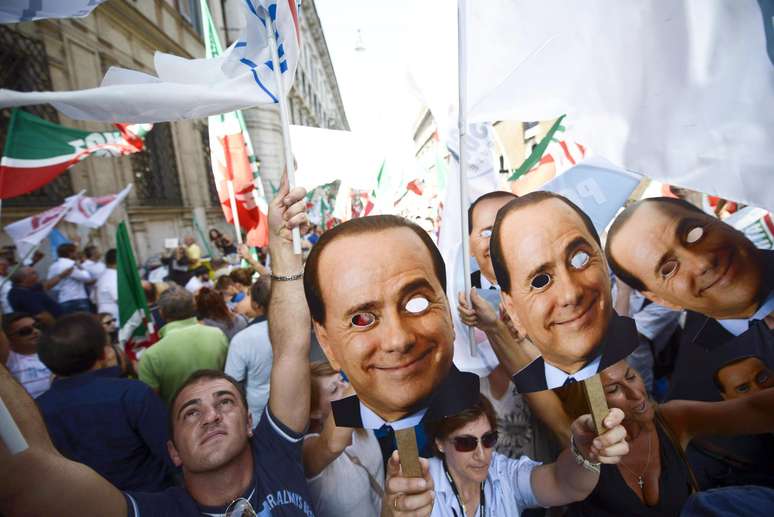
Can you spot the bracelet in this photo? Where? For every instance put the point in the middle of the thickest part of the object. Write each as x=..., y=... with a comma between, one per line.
x=581, y=460
x=286, y=278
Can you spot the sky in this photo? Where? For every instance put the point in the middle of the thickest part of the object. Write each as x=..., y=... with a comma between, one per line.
x=373, y=83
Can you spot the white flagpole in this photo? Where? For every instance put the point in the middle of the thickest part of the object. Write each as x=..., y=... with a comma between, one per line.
x=10, y=433
x=284, y=119
x=234, y=212
x=462, y=77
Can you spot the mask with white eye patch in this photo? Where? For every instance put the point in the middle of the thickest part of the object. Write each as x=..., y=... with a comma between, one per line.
x=417, y=305
x=694, y=235
x=579, y=260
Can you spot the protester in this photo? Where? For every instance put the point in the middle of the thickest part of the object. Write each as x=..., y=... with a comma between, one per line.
x=91, y=262
x=69, y=280
x=223, y=243
x=116, y=426
x=193, y=252
x=107, y=286
x=199, y=279
x=471, y=479
x=20, y=353
x=213, y=312
x=226, y=465
x=229, y=290
x=5, y=286
x=655, y=478
x=247, y=255
x=243, y=279
x=556, y=290
x=109, y=325
x=250, y=356
x=220, y=268
x=344, y=466
x=29, y=296
x=178, y=266
x=152, y=292
x=185, y=346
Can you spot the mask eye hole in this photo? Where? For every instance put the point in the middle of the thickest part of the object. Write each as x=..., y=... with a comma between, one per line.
x=363, y=319
x=540, y=281
x=579, y=260
x=668, y=269
x=694, y=235
x=417, y=304
x=486, y=233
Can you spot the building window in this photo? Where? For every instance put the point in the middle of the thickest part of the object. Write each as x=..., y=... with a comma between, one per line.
x=155, y=169
x=189, y=10
x=213, y=191
x=24, y=67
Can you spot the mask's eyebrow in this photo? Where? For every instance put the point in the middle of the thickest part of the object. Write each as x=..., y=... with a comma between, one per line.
x=363, y=307
x=414, y=285
x=574, y=244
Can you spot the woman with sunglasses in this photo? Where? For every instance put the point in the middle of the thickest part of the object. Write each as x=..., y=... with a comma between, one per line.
x=472, y=480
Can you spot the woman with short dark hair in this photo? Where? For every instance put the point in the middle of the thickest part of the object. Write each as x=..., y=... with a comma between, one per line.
x=223, y=243
x=212, y=311
x=472, y=480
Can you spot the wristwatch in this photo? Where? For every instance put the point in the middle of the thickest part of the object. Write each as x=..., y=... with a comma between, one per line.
x=581, y=460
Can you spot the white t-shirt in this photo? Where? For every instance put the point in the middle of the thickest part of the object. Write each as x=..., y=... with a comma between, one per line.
x=194, y=284
x=5, y=288
x=249, y=359
x=30, y=372
x=107, y=292
x=344, y=487
x=71, y=287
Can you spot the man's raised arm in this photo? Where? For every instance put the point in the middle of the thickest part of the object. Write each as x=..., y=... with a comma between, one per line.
x=39, y=480
x=289, y=322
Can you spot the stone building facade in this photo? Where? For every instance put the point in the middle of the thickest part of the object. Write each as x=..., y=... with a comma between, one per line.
x=174, y=194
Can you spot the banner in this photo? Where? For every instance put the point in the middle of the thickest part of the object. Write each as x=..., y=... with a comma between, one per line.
x=232, y=157
x=28, y=233
x=92, y=212
x=482, y=178
x=36, y=151
x=321, y=202
x=190, y=88
x=14, y=11
x=136, y=330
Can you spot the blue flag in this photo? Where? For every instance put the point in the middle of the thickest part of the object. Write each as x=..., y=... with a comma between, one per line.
x=56, y=239
x=598, y=187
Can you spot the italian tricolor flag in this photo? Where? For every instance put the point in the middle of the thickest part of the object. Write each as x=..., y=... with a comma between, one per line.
x=36, y=151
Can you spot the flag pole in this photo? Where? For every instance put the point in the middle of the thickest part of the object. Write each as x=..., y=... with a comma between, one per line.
x=230, y=185
x=462, y=122
x=283, y=108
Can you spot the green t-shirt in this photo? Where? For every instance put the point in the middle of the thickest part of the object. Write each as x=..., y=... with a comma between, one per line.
x=184, y=347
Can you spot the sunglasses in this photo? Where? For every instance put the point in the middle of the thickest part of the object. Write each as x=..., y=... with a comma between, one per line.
x=108, y=322
x=467, y=443
x=240, y=508
x=26, y=331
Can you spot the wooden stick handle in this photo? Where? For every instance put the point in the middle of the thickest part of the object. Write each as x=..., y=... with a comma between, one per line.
x=595, y=396
x=409, y=454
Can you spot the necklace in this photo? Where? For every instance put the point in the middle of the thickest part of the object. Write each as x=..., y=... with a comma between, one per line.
x=640, y=481
x=482, y=500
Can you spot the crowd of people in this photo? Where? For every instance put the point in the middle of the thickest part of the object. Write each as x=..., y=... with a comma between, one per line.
x=226, y=414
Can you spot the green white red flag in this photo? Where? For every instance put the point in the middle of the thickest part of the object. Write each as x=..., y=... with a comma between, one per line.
x=136, y=332
x=232, y=157
x=36, y=151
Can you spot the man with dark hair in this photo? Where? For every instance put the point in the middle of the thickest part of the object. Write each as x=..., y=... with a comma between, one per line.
x=385, y=322
x=92, y=264
x=28, y=295
x=70, y=288
x=250, y=352
x=107, y=286
x=228, y=466
x=184, y=347
x=20, y=353
x=743, y=376
x=115, y=426
x=556, y=290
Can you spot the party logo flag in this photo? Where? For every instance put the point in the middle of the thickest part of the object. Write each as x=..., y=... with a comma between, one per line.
x=136, y=330
x=28, y=233
x=92, y=212
x=37, y=151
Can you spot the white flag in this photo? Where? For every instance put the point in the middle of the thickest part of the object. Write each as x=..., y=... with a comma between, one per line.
x=190, y=88
x=14, y=11
x=92, y=212
x=680, y=90
x=28, y=233
x=482, y=178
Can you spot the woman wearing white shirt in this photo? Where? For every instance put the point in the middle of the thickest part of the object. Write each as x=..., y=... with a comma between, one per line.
x=472, y=480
